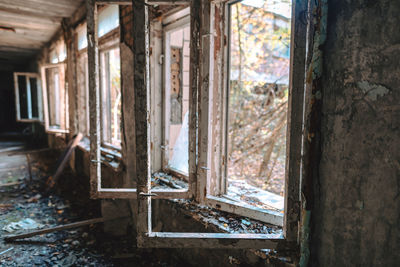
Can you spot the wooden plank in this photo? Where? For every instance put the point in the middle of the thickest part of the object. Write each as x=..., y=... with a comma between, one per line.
x=10, y=184
x=54, y=229
x=212, y=240
x=295, y=120
x=94, y=97
x=63, y=160
x=141, y=85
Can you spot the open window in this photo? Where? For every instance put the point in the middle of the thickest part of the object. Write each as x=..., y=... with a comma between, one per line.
x=170, y=99
x=55, y=98
x=28, y=99
x=105, y=103
x=223, y=84
x=248, y=112
x=110, y=97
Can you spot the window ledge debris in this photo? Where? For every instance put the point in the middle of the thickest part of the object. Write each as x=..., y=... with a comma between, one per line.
x=109, y=157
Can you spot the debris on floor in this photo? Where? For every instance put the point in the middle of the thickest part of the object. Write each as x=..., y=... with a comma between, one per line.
x=25, y=208
x=25, y=224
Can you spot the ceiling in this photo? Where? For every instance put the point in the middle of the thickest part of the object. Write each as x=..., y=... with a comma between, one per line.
x=27, y=25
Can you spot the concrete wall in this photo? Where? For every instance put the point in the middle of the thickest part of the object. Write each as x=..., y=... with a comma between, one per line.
x=357, y=195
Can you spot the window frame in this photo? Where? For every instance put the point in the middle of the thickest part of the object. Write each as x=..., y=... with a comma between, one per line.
x=202, y=77
x=96, y=191
x=61, y=69
x=216, y=181
x=30, y=118
x=179, y=22
x=103, y=49
x=82, y=66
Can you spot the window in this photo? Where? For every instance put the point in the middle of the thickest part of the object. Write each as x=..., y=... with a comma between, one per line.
x=27, y=97
x=83, y=92
x=111, y=96
x=108, y=19
x=58, y=53
x=216, y=71
x=55, y=98
x=251, y=113
x=81, y=35
x=170, y=94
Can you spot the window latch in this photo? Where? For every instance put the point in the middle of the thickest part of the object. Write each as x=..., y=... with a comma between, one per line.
x=161, y=59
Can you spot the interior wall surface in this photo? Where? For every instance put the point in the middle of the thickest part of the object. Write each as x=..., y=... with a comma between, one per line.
x=356, y=216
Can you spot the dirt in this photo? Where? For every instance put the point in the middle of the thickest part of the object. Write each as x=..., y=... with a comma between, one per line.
x=85, y=246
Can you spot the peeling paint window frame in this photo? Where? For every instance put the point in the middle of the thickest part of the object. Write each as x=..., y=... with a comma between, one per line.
x=63, y=89
x=105, y=86
x=216, y=176
x=146, y=237
x=177, y=20
x=29, y=101
x=96, y=149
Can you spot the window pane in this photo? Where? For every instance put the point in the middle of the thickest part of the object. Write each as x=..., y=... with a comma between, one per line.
x=111, y=96
x=82, y=38
x=23, y=98
x=258, y=93
x=177, y=86
x=34, y=97
x=108, y=19
x=55, y=98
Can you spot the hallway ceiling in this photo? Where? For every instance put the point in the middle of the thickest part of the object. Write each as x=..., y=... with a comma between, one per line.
x=27, y=25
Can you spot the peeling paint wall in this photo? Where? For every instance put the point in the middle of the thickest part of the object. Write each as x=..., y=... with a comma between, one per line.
x=356, y=212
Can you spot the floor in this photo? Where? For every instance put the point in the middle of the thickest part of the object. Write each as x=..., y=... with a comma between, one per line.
x=24, y=204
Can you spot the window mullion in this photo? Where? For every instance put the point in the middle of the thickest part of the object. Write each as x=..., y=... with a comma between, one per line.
x=94, y=99
x=141, y=87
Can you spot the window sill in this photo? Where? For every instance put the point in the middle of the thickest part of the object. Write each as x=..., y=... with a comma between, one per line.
x=109, y=157
x=227, y=203
x=222, y=222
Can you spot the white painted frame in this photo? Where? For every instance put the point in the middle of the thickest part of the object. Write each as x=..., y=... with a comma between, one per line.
x=29, y=103
x=201, y=79
x=96, y=191
x=174, y=22
x=103, y=81
x=61, y=69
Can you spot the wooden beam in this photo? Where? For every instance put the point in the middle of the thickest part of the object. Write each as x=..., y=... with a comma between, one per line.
x=94, y=99
x=63, y=160
x=54, y=229
x=141, y=85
